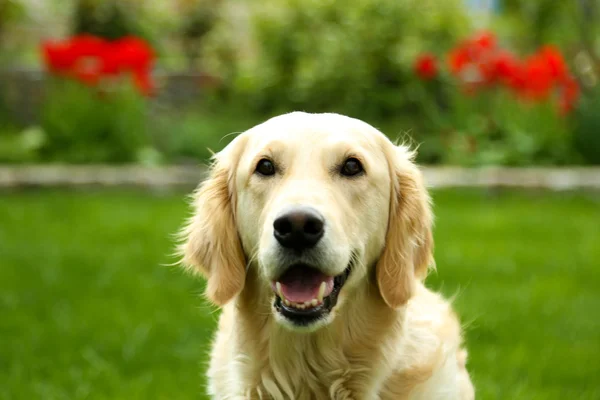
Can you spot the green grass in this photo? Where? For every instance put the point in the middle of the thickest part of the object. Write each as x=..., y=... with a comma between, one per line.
x=88, y=312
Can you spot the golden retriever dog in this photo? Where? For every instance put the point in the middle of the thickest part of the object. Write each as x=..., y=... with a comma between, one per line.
x=314, y=232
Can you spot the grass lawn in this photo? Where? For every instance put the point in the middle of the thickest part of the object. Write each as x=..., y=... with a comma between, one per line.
x=88, y=312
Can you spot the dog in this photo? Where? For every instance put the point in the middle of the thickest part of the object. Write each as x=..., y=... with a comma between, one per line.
x=314, y=234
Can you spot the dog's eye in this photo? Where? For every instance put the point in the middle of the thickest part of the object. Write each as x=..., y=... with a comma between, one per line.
x=265, y=167
x=351, y=167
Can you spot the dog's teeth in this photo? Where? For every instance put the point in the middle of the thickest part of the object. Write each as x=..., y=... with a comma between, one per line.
x=307, y=303
x=279, y=291
x=321, y=291
x=314, y=302
x=287, y=302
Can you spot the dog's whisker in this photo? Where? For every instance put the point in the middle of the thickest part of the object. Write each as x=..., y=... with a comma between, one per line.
x=227, y=135
x=253, y=257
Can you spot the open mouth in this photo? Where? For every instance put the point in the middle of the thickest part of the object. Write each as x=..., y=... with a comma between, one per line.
x=304, y=294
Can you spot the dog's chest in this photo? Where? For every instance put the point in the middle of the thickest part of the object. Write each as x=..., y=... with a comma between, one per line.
x=313, y=373
x=255, y=360
x=306, y=383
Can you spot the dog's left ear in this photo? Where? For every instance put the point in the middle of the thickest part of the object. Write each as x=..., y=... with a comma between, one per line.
x=408, y=250
x=211, y=244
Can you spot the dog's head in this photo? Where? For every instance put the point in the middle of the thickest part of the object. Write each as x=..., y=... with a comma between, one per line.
x=318, y=204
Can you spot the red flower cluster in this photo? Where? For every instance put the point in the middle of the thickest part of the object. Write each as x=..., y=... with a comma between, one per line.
x=479, y=62
x=89, y=59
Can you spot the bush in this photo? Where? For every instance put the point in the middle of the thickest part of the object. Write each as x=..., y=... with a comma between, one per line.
x=349, y=56
x=84, y=126
x=20, y=146
x=587, y=130
x=192, y=134
x=490, y=107
x=107, y=19
x=356, y=58
x=494, y=129
x=95, y=109
x=532, y=23
x=196, y=23
x=12, y=13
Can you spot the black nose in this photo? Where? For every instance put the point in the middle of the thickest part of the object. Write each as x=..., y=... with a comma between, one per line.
x=299, y=228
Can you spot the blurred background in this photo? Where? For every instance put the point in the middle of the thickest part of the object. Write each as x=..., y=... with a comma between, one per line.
x=473, y=82
x=88, y=309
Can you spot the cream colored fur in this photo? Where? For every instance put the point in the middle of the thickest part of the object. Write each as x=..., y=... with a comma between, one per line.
x=388, y=337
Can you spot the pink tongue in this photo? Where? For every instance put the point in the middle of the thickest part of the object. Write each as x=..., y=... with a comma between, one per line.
x=301, y=284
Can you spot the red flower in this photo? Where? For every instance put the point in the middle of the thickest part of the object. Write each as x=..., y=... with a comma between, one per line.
x=88, y=70
x=485, y=40
x=426, y=66
x=90, y=51
x=505, y=65
x=88, y=59
x=88, y=45
x=111, y=63
x=133, y=53
x=473, y=60
x=482, y=47
x=58, y=56
x=487, y=70
x=136, y=56
x=478, y=62
x=509, y=70
x=538, y=78
x=555, y=62
x=80, y=56
x=458, y=59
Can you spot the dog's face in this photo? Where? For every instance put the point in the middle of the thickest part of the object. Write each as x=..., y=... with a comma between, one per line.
x=315, y=202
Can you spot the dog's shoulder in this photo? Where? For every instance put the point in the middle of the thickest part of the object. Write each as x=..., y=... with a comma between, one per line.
x=430, y=311
x=431, y=360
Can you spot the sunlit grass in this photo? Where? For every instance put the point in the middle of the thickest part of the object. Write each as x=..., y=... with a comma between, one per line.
x=88, y=311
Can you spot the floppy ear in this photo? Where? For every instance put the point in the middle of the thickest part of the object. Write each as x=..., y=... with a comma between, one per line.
x=211, y=244
x=409, y=243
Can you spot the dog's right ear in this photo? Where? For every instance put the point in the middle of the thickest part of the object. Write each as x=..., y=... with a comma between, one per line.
x=211, y=245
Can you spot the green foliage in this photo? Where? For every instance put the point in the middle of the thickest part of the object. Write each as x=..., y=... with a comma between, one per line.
x=493, y=128
x=21, y=146
x=107, y=19
x=532, y=23
x=587, y=131
x=84, y=125
x=196, y=24
x=90, y=311
x=192, y=135
x=349, y=56
x=357, y=59
x=10, y=11
x=15, y=146
x=114, y=19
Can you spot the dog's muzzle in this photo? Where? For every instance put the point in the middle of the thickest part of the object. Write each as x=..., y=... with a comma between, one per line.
x=303, y=294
